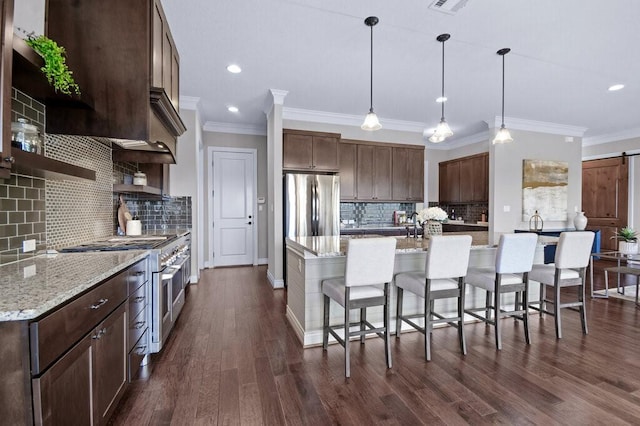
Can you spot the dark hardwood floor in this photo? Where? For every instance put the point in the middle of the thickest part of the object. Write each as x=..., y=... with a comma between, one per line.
x=233, y=359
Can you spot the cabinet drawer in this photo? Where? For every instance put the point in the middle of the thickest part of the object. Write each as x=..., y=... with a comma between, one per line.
x=55, y=333
x=137, y=275
x=136, y=355
x=137, y=301
x=137, y=327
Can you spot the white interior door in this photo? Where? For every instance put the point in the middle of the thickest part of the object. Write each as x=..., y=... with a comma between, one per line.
x=233, y=208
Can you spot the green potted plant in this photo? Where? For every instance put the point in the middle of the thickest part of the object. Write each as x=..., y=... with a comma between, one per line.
x=628, y=240
x=55, y=67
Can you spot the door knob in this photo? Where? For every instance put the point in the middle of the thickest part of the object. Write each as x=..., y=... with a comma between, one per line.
x=249, y=216
x=248, y=223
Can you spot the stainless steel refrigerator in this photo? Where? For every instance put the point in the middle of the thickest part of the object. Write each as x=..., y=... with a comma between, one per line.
x=311, y=205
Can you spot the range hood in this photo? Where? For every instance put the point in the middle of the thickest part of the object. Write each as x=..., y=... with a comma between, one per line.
x=123, y=58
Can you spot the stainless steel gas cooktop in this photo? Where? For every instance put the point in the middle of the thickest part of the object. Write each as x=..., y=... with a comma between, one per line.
x=145, y=242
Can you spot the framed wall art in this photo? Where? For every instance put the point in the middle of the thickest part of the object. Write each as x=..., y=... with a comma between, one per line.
x=545, y=189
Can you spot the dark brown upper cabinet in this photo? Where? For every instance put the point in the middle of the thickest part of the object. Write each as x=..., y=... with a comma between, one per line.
x=375, y=172
x=124, y=58
x=464, y=180
x=310, y=151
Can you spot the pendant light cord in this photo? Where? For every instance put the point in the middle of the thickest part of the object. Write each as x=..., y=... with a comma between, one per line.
x=502, y=90
x=371, y=79
x=442, y=99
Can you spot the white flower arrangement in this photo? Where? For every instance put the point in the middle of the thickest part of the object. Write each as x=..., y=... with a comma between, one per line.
x=432, y=213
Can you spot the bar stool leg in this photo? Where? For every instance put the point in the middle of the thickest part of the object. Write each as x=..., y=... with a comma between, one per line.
x=496, y=318
x=325, y=325
x=363, y=318
x=556, y=310
x=399, y=313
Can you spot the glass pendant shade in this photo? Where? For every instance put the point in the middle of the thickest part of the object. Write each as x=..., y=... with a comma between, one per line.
x=503, y=136
x=442, y=132
x=371, y=122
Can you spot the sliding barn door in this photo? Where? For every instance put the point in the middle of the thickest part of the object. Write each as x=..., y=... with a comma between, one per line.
x=605, y=196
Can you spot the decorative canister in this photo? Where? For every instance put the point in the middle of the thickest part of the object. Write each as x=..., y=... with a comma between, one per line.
x=139, y=178
x=25, y=136
x=535, y=222
x=580, y=221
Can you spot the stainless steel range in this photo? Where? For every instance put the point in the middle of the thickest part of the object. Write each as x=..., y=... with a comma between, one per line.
x=169, y=269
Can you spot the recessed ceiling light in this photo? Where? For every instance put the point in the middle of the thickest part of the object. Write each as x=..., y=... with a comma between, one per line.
x=441, y=99
x=233, y=68
x=232, y=109
x=616, y=87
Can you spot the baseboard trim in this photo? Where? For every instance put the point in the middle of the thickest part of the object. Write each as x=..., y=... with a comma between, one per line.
x=263, y=261
x=275, y=283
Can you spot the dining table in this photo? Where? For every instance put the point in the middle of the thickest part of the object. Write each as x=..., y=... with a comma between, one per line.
x=619, y=257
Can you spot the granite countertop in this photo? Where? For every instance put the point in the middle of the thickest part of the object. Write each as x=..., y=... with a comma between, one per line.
x=331, y=246
x=34, y=286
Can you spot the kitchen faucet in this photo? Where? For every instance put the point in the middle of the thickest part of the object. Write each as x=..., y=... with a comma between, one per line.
x=414, y=216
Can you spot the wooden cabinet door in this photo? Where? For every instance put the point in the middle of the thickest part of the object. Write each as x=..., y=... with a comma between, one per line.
x=365, y=173
x=382, y=173
x=401, y=182
x=605, y=197
x=467, y=172
x=443, y=188
x=453, y=181
x=63, y=394
x=347, y=171
x=480, y=181
x=416, y=174
x=297, y=151
x=6, y=66
x=325, y=154
x=157, y=43
x=110, y=363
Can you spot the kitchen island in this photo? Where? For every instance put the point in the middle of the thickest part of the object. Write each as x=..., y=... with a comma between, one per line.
x=313, y=259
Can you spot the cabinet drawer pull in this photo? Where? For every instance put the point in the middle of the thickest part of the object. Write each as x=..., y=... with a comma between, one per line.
x=138, y=299
x=99, y=304
x=99, y=333
x=139, y=324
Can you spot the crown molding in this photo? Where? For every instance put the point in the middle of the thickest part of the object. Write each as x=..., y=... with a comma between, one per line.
x=482, y=136
x=299, y=114
x=191, y=103
x=612, y=137
x=235, y=128
x=513, y=123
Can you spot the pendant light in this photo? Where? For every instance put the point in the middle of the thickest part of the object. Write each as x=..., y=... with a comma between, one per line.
x=442, y=130
x=503, y=135
x=371, y=120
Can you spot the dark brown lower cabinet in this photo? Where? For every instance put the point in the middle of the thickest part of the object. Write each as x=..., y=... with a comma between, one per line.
x=91, y=374
x=110, y=363
x=63, y=394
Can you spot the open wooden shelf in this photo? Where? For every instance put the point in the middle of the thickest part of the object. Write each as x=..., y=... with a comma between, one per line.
x=136, y=189
x=28, y=78
x=41, y=166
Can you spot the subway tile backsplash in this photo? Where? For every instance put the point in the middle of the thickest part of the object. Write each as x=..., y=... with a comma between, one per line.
x=372, y=214
x=60, y=213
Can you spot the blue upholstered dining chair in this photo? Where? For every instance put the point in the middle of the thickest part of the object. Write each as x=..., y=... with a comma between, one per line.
x=367, y=279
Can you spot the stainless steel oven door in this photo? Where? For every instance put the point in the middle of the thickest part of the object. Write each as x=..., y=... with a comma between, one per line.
x=166, y=302
x=174, y=274
x=186, y=271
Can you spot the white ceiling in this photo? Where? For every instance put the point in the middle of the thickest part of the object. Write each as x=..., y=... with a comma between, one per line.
x=564, y=56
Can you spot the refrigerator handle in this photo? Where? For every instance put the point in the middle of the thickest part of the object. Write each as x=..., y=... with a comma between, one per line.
x=314, y=207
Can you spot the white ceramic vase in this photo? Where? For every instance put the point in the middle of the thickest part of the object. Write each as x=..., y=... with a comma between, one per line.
x=625, y=247
x=580, y=221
